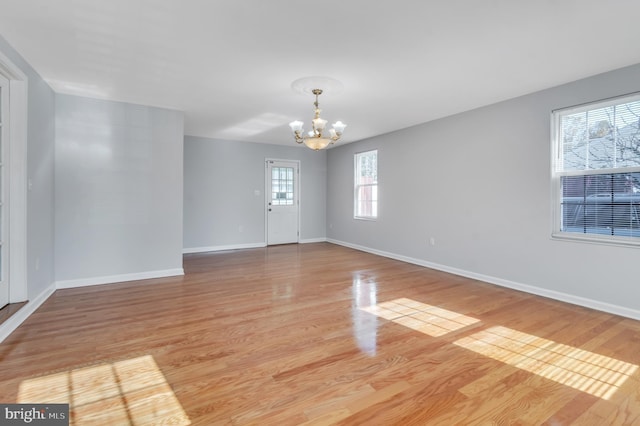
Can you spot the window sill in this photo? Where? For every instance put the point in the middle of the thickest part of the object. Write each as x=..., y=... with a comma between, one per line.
x=632, y=242
x=368, y=219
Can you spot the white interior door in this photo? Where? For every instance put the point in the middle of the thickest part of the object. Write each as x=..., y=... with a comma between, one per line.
x=4, y=191
x=282, y=201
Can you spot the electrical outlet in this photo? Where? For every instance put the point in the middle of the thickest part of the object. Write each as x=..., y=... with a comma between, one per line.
x=432, y=241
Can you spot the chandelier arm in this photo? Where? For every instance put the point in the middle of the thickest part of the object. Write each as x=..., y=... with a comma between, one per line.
x=298, y=137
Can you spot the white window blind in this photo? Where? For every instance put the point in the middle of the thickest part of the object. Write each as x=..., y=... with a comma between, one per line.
x=596, y=171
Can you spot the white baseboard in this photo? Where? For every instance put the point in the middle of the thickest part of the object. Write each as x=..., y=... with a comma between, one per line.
x=222, y=248
x=551, y=294
x=10, y=325
x=313, y=240
x=243, y=246
x=83, y=282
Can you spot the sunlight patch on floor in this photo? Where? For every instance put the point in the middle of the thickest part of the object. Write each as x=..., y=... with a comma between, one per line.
x=133, y=391
x=585, y=371
x=421, y=317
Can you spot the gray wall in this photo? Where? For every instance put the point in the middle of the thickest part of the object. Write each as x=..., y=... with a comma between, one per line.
x=40, y=170
x=118, y=188
x=220, y=180
x=479, y=183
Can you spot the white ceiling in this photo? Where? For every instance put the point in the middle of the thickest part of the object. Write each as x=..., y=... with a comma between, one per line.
x=229, y=64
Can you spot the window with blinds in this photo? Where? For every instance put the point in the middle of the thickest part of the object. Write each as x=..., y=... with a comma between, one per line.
x=596, y=171
x=366, y=185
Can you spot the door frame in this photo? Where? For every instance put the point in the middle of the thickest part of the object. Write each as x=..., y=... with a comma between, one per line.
x=267, y=191
x=17, y=174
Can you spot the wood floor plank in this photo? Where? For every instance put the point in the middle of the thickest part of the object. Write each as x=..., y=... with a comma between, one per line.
x=319, y=334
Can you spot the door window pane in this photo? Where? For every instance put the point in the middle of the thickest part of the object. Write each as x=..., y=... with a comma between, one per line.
x=282, y=186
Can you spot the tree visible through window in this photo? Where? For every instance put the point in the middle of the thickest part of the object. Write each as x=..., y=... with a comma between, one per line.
x=366, y=185
x=597, y=170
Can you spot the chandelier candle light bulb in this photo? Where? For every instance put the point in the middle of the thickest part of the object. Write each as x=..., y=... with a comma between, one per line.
x=314, y=138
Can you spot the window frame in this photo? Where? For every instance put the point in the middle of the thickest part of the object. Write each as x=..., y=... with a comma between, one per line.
x=557, y=174
x=357, y=186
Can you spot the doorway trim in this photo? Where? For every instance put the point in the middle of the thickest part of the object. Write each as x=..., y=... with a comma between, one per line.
x=18, y=85
x=267, y=191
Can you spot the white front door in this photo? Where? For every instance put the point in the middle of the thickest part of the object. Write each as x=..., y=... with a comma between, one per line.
x=4, y=191
x=282, y=201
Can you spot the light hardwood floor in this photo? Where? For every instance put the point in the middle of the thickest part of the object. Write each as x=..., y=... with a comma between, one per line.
x=322, y=334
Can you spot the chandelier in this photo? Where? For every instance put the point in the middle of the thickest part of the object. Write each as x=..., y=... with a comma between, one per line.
x=314, y=139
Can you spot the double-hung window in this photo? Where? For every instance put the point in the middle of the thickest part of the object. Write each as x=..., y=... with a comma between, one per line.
x=596, y=171
x=366, y=185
